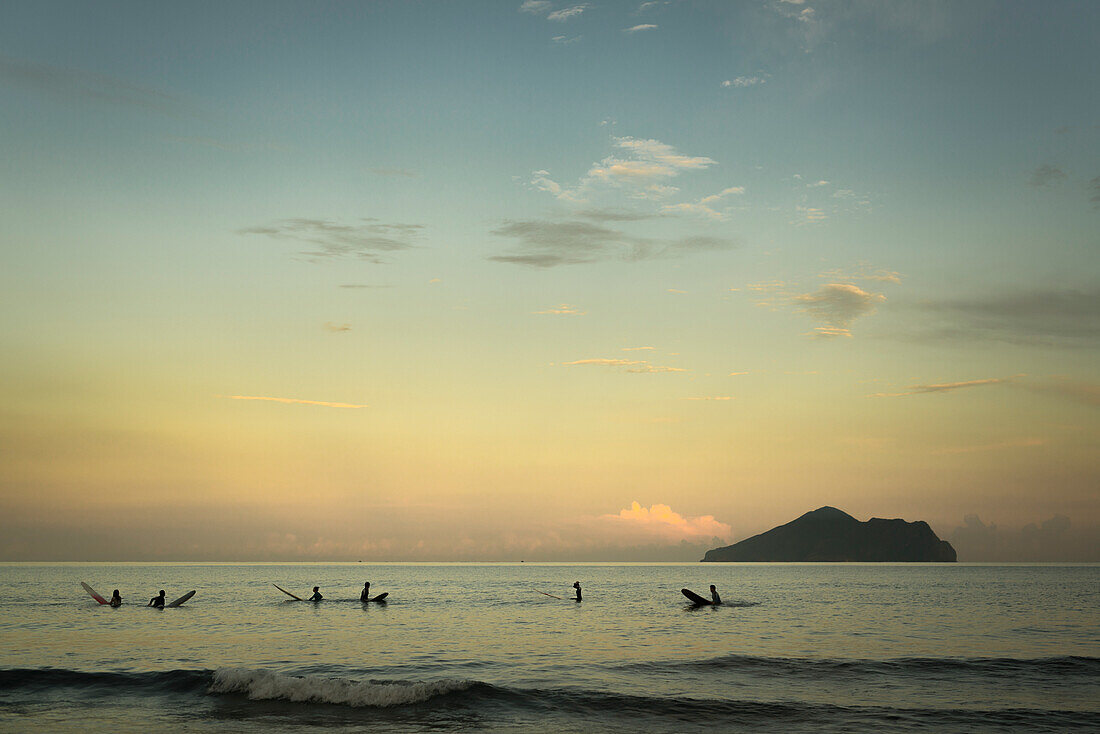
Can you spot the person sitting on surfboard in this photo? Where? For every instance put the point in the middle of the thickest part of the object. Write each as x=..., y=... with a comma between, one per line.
x=316, y=595
x=365, y=596
x=577, y=586
x=157, y=601
x=715, y=599
x=116, y=600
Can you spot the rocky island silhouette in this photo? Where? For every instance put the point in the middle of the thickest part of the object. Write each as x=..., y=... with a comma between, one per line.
x=828, y=534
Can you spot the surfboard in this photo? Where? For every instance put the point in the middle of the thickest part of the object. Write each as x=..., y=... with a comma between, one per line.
x=379, y=598
x=292, y=596
x=182, y=599
x=549, y=595
x=695, y=598
x=91, y=592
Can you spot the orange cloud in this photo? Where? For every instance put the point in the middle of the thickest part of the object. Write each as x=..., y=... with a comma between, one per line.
x=662, y=521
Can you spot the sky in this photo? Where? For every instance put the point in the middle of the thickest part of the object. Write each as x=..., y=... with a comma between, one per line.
x=541, y=280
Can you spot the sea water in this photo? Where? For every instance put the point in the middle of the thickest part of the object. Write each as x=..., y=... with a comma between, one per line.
x=814, y=647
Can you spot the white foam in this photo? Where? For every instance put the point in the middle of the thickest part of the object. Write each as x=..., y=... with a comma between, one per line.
x=266, y=685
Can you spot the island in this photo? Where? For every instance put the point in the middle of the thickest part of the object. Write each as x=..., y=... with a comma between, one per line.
x=828, y=534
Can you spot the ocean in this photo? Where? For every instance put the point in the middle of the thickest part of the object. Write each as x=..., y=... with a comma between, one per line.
x=794, y=648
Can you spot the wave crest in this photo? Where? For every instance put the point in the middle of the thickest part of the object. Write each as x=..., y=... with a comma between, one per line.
x=262, y=685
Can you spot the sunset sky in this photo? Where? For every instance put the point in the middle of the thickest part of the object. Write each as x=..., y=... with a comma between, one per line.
x=543, y=280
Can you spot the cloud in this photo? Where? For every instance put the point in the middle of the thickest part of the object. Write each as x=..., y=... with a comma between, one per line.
x=365, y=241
x=1062, y=317
x=703, y=206
x=640, y=27
x=543, y=243
x=1017, y=443
x=636, y=366
x=563, y=309
x=337, y=328
x=862, y=271
x=809, y=215
x=944, y=387
x=1046, y=175
x=565, y=14
x=642, y=169
x=638, y=349
x=565, y=40
x=85, y=86
x=837, y=305
x=393, y=172
x=1075, y=391
x=614, y=215
x=294, y=401
x=536, y=7
x=817, y=184
x=744, y=81
x=662, y=521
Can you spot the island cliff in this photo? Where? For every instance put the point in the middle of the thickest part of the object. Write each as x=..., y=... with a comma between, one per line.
x=827, y=534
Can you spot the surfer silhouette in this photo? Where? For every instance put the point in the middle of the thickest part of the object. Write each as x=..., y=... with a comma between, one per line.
x=577, y=586
x=365, y=596
x=715, y=599
x=316, y=595
x=157, y=601
x=116, y=600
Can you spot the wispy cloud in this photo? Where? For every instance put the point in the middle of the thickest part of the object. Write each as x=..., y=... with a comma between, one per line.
x=837, y=305
x=944, y=387
x=638, y=349
x=704, y=207
x=333, y=240
x=563, y=309
x=78, y=85
x=337, y=328
x=295, y=401
x=565, y=14
x=1075, y=391
x=744, y=81
x=862, y=271
x=565, y=40
x=637, y=366
x=544, y=243
x=1046, y=175
x=642, y=169
x=536, y=7
x=1064, y=317
x=640, y=27
x=1016, y=443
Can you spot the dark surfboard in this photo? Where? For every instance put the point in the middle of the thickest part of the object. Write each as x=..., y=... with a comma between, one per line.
x=380, y=598
x=292, y=596
x=695, y=598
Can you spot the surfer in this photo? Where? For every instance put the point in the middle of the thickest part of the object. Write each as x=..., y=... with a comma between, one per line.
x=316, y=595
x=157, y=601
x=715, y=599
x=116, y=600
x=577, y=586
x=365, y=596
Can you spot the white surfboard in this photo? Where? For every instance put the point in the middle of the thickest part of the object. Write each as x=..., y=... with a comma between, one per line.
x=93, y=594
x=182, y=599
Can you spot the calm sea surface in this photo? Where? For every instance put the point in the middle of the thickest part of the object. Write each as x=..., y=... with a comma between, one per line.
x=458, y=647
